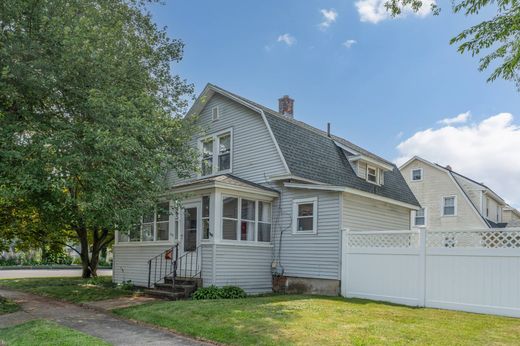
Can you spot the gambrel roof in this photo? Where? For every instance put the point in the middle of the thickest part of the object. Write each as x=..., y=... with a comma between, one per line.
x=311, y=154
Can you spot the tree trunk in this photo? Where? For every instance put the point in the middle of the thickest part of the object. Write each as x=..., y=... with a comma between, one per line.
x=85, y=260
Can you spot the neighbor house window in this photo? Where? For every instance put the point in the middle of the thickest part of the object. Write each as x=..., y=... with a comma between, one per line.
x=305, y=215
x=420, y=217
x=154, y=226
x=372, y=175
x=449, y=207
x=417, y=174
x=245, y=219
x=216, y=153
x=205, y=217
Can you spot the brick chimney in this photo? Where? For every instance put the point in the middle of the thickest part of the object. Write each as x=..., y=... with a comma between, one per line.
x=286, y=106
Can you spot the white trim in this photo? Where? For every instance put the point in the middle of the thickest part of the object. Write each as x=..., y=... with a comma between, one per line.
x=294, y=177
x=295, y=204
x=221, y=185
x=215, y=160
x=351, y=191
x=371, y=161
x=455, y=209
x=376, y=170
x=411, y=174
x=201, y=100
x=414, y=216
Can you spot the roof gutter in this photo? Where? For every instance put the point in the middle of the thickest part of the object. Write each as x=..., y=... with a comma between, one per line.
x=353, y=192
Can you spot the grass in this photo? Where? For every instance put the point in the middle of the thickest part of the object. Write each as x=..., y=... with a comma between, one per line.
x=44, y=333
x=75, y=290
x=315, y=320
x=7, y=306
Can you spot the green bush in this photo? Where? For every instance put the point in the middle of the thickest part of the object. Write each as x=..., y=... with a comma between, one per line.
x=232, y=292
x=214, y=292
x=126, y=285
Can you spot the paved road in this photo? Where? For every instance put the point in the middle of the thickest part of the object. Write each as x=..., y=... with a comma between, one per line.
x=101, y=325
x=46, y=273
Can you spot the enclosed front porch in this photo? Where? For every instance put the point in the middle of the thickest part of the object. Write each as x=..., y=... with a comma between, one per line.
x=219, y=233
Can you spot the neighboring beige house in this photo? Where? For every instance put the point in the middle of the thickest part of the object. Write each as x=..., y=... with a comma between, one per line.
x=451, y=201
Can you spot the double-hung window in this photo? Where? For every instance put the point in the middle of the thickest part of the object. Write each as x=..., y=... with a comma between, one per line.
x=449, y=206
x=420, y=218
x=245, y=219
x=205, y=217
x=305, y=218
x=417, y=174
x=216, y=152
x=372, y=175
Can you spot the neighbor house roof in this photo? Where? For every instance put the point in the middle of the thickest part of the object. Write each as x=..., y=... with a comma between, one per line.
x=311, y=154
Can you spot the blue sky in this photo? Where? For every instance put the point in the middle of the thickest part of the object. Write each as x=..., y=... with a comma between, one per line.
x=399, y=78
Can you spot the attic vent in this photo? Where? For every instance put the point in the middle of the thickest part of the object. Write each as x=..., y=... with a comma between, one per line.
x=215, y=113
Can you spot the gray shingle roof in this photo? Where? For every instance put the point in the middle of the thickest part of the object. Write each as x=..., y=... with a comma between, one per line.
x=311, y=154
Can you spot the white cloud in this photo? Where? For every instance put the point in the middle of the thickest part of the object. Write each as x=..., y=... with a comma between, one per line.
x=459, y=119
x=374, y=11
x=329, y=17
x=349, y=43
x=288, y=39
x=487, y=152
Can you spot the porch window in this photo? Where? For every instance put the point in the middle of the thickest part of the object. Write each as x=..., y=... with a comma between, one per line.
x=252, y=222
x=229, y=218
x=205, y=217
x=305, y=215
x=216, y=153
x=154, y=226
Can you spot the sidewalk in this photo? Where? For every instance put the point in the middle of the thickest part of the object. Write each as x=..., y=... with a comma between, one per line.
x=93, y=322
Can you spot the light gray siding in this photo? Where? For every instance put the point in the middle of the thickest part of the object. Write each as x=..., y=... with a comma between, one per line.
x=207, y=264
x=366, y=214
x=254, y=153
x=131, y=262
x=246, y=266
x=309, y=255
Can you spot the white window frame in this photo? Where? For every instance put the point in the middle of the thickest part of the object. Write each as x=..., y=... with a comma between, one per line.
x=217, y=109
x=414, y=216
x=171, y=237
x=443, y=200
x=296, y=203
x=239, y=221
x=411, y=174
x=377, y=175
x=215, y=137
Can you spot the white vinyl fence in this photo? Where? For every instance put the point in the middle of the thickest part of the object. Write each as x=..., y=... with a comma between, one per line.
x=476, y=271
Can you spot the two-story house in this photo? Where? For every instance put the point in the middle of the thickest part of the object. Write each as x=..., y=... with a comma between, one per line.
x=271, y=198
x=452, y=201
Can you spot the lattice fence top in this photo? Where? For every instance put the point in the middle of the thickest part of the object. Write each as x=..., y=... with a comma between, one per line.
x=383, y=239
x=483, y=239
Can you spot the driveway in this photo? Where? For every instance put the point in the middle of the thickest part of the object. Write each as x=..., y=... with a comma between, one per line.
x=46, y=273
x=102, y=325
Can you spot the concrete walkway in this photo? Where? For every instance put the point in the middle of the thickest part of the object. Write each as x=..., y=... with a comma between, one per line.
x=102, y=325
x=46, y=273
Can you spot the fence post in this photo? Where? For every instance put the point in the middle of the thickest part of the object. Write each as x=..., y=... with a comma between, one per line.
x=344, y=268
x=422, y=267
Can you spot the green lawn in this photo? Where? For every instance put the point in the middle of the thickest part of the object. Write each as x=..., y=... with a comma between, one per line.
x=7, y=306
x=74, y=290
x=44, y=333
x=315, y=320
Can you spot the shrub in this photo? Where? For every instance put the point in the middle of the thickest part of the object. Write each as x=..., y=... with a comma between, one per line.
x=126, y=285
x=232, y=292
x=214, y=292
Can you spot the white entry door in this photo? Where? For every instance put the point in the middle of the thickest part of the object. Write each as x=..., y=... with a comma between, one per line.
x=190, y=227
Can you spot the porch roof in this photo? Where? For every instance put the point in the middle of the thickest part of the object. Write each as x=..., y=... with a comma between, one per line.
x=225, y=181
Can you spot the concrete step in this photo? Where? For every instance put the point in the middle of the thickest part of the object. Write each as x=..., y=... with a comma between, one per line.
x=164, y=294
x=186, y=289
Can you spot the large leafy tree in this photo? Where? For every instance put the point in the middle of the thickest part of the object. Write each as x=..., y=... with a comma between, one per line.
x=90, y=119
x=498, y=38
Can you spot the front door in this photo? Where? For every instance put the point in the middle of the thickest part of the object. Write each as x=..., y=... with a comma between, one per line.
x=190, y=227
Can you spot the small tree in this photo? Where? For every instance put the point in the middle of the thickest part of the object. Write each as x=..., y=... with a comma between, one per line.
x=90, y=119
x=498, y=38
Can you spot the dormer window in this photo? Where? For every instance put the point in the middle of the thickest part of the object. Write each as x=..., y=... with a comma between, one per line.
x=216, y=152
x=372, y=175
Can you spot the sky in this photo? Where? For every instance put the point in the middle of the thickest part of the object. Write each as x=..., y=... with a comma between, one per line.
x=394, y=86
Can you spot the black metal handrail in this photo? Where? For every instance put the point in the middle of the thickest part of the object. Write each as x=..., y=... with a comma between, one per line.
x=163, y=265
x=189, y=264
